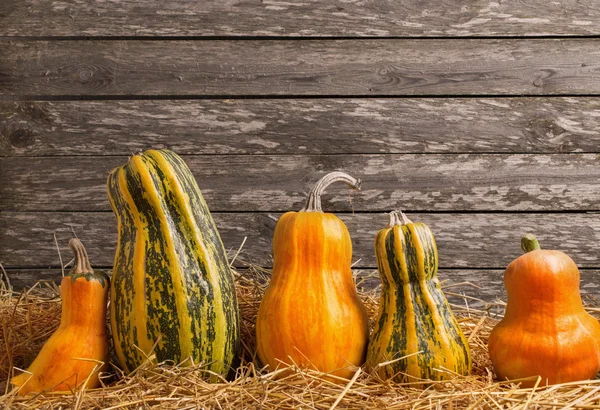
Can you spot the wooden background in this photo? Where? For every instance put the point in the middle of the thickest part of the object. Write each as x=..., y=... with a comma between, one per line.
x=480, y=118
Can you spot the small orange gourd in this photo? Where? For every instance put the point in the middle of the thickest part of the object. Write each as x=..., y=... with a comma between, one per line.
x=311, y=315
x=545, y=330
x=78, y=350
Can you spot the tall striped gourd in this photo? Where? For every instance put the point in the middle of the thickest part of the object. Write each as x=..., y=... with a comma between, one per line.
x=416, y=332
x=173, y=292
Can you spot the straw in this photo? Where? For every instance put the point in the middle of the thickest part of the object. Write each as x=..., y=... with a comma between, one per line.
x=28, y=318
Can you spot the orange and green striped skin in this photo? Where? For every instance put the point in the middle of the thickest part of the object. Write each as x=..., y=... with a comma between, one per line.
x=415, y=323
x=78, y=349
x=311, y=315
x=545, y=330
x=173, y=291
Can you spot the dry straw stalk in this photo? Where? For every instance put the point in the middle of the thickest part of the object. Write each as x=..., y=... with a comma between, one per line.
x=28, y=318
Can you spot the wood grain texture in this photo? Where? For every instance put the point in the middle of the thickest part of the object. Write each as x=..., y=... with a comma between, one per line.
x=305, y=18
x=287, y=68
x=278, y=183
x=302, y=126
x=489, y=289
x=464, y=240
x=484, y=284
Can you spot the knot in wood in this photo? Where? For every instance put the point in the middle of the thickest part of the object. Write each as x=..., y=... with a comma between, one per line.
x=21, y=138
x=85, y=74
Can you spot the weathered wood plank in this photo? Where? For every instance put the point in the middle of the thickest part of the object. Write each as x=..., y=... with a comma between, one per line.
x=484, y=284
x=464, y=240
x=313, y=67
x=492, y=182
x=302, y=126
x=306, y=18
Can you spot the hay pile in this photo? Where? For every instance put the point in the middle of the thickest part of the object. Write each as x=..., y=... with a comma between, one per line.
x=28, y=318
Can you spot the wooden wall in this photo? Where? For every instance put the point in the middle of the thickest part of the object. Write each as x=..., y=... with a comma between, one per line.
x=479, y=118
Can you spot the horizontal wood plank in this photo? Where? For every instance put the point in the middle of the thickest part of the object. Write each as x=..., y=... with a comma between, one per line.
x=464, y=240
x=305, y=18
x=314, y=67
x=486, y=285
x=426, y=182
x=302, y=126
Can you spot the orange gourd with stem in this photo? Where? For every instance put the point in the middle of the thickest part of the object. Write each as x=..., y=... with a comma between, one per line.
x=545, y=331
x=78, y=350
x=311, y=315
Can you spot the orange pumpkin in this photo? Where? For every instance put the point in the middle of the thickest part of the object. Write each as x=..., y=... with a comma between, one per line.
x=311, y=315
x=545, y=330
x=78, y=350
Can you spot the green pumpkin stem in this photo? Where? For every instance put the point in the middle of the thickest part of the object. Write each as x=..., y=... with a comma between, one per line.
x=313, y=204
x=529, y=243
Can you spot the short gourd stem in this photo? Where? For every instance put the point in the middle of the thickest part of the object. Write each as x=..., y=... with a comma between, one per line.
x=393, y=219
x=529, y=243
x=313, y=204
x=403, y=219
x=398, y=218
x=82, y=262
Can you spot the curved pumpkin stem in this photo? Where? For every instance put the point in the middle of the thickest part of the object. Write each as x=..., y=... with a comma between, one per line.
x=398, y=218
x=529, y=243
x=313, y=204
x=82, y=262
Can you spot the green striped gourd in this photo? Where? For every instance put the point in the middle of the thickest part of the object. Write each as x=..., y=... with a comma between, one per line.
x=416, y=334
x=173, y=292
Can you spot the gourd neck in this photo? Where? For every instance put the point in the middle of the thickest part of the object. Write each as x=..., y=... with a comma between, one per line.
x=398, y=218
x=83, y=302
x=529, y=243
x=313, y=204
x=82, y=262
x=83, y=306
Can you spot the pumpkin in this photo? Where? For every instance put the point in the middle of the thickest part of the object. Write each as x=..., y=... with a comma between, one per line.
x=173, y=291
x=311, y=315
x=416, y=335
x=545, y=330
x=78, y=350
